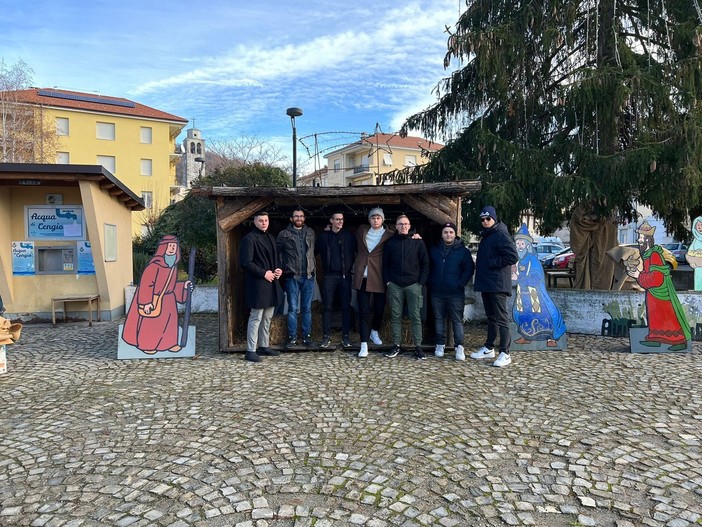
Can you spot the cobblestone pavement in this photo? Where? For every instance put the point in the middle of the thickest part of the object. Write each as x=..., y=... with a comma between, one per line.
x=591, y=436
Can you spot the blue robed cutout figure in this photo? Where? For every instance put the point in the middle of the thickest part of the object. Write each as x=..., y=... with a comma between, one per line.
x=536, y=316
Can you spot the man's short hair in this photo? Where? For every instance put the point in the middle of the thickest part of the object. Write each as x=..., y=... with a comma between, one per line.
x=261, y=213
x=402, y=216
x=335, y=213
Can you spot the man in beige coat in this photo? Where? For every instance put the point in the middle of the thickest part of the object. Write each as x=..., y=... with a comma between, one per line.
x=368, y=277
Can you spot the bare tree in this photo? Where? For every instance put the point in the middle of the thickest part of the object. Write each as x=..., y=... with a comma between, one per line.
x=243, y=150
x=27, y=133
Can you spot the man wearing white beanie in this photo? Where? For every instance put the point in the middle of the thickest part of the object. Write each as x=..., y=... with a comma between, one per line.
x=368, y=278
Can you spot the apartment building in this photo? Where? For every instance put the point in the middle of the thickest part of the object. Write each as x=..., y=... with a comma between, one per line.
x=364, y=162
x=134, y=142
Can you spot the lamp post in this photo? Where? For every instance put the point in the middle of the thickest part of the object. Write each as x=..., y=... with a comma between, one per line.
x=294, y=112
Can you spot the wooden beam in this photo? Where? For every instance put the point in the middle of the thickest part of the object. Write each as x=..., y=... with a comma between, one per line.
x=420, y=205
x=449, y=188
x=234, y=212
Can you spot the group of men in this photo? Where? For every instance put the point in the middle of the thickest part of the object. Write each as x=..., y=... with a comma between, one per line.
x=379, y=264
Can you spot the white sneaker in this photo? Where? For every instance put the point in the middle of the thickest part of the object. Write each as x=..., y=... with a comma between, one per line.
x=460, y=354
x=364, y=350
x=503, y=359
x=483, y=353
x=439, y=351
x=375, y=338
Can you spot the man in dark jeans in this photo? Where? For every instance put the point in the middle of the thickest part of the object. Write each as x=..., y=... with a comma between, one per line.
x=336, y=248
x=493, y=279
x=296, y=250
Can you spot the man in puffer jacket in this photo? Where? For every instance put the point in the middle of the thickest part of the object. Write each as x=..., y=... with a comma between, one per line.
x=451, y=269
x=493, y=279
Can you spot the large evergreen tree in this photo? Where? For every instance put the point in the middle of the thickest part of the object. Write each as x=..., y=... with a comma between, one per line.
x=559, y=103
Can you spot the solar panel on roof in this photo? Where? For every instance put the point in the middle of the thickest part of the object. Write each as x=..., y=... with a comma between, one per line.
x=85, y=98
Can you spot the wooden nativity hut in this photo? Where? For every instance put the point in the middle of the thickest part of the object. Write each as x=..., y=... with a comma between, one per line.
x=428, y=205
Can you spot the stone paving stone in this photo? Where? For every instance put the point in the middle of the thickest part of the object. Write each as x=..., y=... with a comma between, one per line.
x=591, y=433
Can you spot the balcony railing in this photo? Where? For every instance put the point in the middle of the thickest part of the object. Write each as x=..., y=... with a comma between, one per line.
x=360, y=169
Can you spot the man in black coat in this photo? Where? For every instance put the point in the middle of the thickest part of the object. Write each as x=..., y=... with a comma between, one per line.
x=493, y=278
x=336, y=248
x=258, y=257
x=405, y=272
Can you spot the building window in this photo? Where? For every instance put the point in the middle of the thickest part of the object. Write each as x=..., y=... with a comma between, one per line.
x=62, y=125
x=146, y=167
x=145, y=134
x=387, y=160
x=192, y=148
x=410, y=161
x=108, y=162
x=148, y=199
x=110, y=242
x=199, y=148
x=337, y=165
x=106, y=131
x=63, y=158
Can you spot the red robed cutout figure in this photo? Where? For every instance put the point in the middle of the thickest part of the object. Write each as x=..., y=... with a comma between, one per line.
x=152, y=320
x=667, y=324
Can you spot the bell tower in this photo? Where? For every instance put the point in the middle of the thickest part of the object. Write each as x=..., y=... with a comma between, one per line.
x=191, y=163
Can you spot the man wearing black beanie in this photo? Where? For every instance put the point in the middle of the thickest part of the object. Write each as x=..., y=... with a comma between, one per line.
x=493, y=278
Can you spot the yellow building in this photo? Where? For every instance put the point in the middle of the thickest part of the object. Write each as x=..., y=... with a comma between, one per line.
x=365, y=161
x=66, y=232
x=135, y=143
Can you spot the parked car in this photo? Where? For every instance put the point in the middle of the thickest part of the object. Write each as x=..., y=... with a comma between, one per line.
x=564, y=261
x=547, y=261
x=546, y=250
x=678, y=249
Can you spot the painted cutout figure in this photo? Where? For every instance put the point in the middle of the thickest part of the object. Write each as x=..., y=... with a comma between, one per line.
x=667, y=324
x=152, y=320
x=535, y=314
x=694, y=253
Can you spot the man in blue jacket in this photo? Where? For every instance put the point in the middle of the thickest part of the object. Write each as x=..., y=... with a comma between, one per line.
x=451, y=269
x=493, y=279
x=336, y=248
x=405, y=272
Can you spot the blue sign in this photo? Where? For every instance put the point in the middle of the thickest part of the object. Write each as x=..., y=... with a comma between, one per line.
x=23, y=258
x=86, y=265
x=45, y=222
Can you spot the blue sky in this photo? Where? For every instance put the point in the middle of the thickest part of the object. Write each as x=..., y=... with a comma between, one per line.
x=236, y=66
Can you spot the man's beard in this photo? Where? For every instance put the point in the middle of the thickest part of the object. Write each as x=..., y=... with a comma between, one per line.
x=646, y=244
x=170, y=259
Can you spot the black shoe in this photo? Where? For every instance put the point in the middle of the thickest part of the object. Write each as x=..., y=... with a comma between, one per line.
x=345, y=342
x=252, y=356
x=419, y=354
x=326, y=342
x=394, y=352
x=308, y=342
x=268, y=352
x=291, y=343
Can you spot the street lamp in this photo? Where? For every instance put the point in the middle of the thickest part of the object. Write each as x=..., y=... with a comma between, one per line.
x=294, y=112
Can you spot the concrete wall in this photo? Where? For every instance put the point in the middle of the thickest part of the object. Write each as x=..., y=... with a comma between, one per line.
x=583, y=311
x=205, y=299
